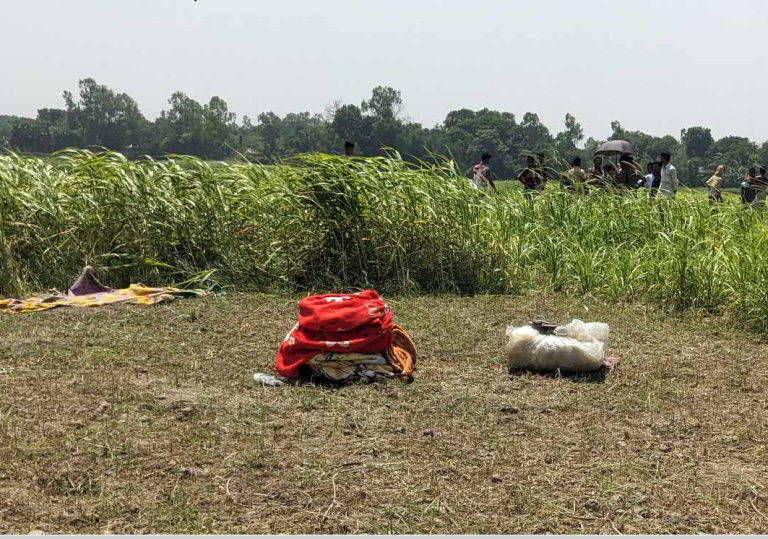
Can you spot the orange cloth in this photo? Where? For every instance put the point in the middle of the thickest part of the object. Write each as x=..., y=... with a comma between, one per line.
x=402, y=354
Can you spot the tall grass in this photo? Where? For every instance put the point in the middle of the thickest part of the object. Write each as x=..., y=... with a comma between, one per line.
x=326, y=222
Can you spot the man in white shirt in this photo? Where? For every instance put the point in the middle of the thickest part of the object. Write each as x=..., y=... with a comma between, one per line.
x=649, y=175
x=669, y=184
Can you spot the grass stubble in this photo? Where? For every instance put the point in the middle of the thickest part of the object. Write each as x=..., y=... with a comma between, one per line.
x=127, y=419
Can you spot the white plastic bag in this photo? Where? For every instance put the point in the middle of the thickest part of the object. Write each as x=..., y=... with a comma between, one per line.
x=576, y=347
x=579, y=330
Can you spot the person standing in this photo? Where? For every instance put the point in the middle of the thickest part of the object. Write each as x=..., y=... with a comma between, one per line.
x=715, y=184
x=656, y=180
x=649, y=175
x=576, y=175
x=761, y=189
x=481, y=174
x=611, y=176
x=630, y=175
x=596, y=173
x=529, y=177
x=669, y=183
x=747, y=188
x=349, y=149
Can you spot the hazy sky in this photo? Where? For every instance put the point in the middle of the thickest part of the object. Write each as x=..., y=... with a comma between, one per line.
x=655, y=65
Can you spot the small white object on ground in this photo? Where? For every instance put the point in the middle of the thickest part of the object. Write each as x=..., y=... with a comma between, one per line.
x=266, y=380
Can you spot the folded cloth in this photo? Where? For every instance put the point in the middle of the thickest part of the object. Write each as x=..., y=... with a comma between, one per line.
x=402, y=354
x=360, y=322
x=87, y=284
x=350, y=367
x=610, y=362
x=88, y=292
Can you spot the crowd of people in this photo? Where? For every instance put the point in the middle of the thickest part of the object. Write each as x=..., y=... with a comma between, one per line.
x=660, y=178
x=753, y=189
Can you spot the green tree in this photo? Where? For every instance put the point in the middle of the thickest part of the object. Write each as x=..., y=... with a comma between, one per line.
x=219, y=129
x=6, y=128
x=385, y=103
x=182, y=126
x=105, y=118
x=28, y=135
x=350, y=124
x=567, y=141
x=466, y=134
x=697, y=141
x=533, y=136
x=303, y=132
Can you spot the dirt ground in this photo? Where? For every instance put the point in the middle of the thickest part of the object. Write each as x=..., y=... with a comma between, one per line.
x=146, y=419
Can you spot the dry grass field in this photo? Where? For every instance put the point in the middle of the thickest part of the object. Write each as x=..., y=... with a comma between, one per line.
x=146, y=419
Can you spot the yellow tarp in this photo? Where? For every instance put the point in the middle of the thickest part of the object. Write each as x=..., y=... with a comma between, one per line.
x=136, y=294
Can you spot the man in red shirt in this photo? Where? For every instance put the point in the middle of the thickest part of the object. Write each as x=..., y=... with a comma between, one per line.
x=481, y=174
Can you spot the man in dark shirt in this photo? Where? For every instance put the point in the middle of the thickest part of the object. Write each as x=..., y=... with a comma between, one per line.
x=530, y=176
x=629, y=173
x=747, y=188
x=655, y=180
x=611, y=176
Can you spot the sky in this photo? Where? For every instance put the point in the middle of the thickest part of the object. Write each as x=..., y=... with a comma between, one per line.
x=655, y=65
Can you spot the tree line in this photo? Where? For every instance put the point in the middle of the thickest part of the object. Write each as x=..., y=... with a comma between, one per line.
x=100, y=117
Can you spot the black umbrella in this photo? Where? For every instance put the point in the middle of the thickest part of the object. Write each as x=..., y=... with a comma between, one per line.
x=616, y=147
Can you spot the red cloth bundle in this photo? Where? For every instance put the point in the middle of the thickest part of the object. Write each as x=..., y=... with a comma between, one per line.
x=360, y=322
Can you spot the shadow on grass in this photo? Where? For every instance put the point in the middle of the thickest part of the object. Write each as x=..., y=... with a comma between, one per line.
x=308, y=378
x=595, y=377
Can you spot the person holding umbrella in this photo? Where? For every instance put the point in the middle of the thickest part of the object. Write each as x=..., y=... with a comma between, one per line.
x=629, y=173
x=615, y=148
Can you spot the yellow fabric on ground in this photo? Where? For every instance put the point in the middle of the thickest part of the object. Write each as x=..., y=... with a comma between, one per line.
x=136, y=294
